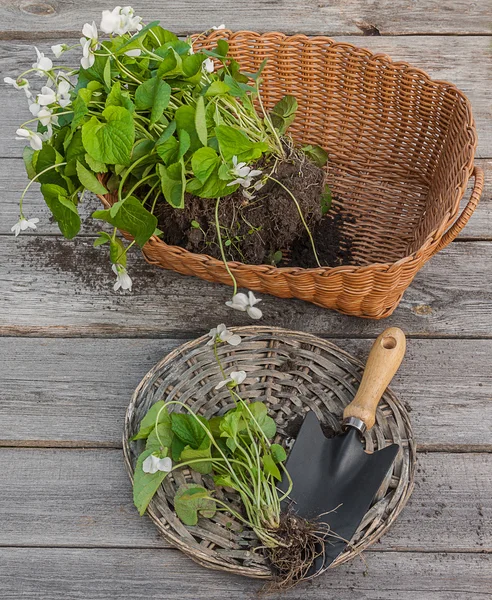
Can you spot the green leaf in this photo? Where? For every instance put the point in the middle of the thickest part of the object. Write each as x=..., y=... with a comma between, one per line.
x=118, y=97
x=188, y=429
x=147, y=424
x=89, y=180
x=131, y=217
x=184, y=143
x=269, y=427
x=170, y=129
x=170, y=66
x=204, y=467
x=28, y=154
x=185, y=119
x=173, y=189
x=192, y=500
x=270, y=466
x=217, y=88
x=286, y=107
x=278, y=453
x=234, y=142
x=192, y=64
x=107, y=74
x=231, y=424
x=259, y=411
x=317, y=154
x=201, y=121
x=64, y=211
x=203, y=162
x=222, y=47
x=47, y=157
x=326, y=200
x=95, y=165
x=110, y=142
x=177, y=447
x=283, y=113
x=142, y=148
x=80, y=107
x=153, y=94
x=160, y=436
x=145, y=485
x=168, y=150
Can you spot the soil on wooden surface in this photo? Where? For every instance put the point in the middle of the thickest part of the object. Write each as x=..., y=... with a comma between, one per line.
x=266, y=228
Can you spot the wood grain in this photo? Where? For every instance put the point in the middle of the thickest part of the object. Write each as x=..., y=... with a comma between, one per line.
x=75, y=391
x=50, y=286
x=465, y=62
x=107, y=574
x=82, y=498
x=43, y=18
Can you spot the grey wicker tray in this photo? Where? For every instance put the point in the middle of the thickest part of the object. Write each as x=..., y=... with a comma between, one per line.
x=292, y=372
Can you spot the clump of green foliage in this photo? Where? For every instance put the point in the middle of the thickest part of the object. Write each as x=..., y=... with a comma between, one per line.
x=146, y=117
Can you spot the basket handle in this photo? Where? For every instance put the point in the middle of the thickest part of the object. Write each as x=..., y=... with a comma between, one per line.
x=462, y=220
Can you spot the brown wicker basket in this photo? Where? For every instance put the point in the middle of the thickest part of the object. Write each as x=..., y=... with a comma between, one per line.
x=401, y=149
x=292, y=372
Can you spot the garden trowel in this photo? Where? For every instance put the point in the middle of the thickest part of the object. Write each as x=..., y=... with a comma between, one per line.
x=335, y=477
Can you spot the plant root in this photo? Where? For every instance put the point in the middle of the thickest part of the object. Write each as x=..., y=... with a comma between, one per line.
x=301, y=542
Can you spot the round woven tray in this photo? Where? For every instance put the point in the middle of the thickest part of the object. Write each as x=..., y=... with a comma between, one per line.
x=292, y=372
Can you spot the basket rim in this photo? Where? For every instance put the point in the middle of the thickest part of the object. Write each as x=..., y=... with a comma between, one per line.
x=261, y=572
x=433, y=238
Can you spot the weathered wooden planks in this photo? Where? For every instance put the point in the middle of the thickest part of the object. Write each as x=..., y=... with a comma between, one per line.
x=75, y=391
x=41, y=19
x=82, y=498
x=464, y=62
x=106, y=574
x=59, y=287
x=13, y=180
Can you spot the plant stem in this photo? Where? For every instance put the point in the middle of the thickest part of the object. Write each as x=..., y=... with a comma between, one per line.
x=221, y=246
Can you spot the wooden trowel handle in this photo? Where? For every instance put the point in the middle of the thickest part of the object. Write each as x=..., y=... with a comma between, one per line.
x=384, y=359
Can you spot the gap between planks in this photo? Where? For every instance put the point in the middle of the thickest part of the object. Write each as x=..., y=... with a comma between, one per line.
x=91, y=445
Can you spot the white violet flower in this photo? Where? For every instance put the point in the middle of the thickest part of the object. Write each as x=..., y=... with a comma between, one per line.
x=42, y=64
x=19, y=84
x=49, y=96
x=222, y=334
x=234, y=379
x=59, y=49
x=35, y=140
x=217, y=27
x=123, y=280
x=244, y=174
x=23, y=224
x=246, y=303
x=153, y=463
x=120, y=21
x=44, y=114
x=89, y=44
x=208, y=65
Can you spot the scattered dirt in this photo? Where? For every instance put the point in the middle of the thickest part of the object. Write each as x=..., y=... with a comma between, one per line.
x=253, y=231
x=88, y=266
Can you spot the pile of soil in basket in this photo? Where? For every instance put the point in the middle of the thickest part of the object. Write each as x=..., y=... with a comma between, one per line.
x=267, y=229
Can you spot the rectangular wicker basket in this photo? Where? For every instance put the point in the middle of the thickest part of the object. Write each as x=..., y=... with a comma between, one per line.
x=401, y=149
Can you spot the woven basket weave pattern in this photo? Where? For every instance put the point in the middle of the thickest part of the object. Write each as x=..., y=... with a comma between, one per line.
x=401, y=150
x=292, y=373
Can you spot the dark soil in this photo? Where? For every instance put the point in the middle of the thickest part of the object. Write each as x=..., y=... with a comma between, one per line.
x=257, y=231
